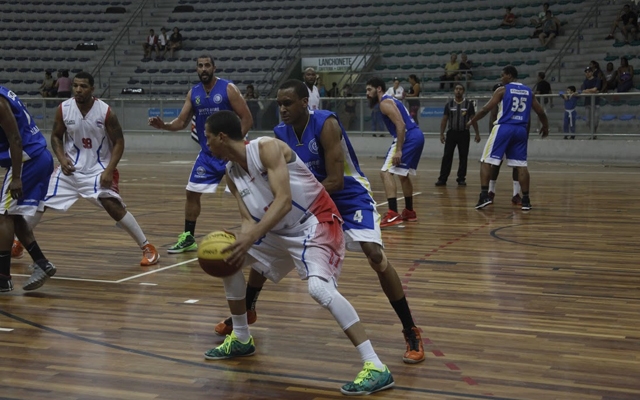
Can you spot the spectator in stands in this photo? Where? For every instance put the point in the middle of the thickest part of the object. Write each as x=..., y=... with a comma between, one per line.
x=509, y=19
x=47, y=88
x=543, y=87
x=413, y=94
x=627, y=22
x=464, y=70
x=611, y=77
x=63, y=85
x=450, y=71
x=322, y=91
x=550, y=29
x=537, y=20
x=598, y=73
x=162, y=43
x=570, y=113
x=624, y=76
x=334, y=91
x=348, y=114
x=251, y=98
x=150, y=44
x=175, y=42
x=591, y=85
x=396, y=90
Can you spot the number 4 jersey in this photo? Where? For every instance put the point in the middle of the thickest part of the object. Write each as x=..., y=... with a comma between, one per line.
x=86, y=142
x=515, y=108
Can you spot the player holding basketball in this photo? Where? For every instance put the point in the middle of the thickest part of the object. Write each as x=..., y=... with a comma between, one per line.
x=88, y=142
x=288, y=221
x=23, y=152
x=510, y=134
x=403, y=155
x=211, y=95
x=319, y=139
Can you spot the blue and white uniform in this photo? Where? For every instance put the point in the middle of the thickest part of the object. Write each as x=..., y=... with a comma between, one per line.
x=355, y=201
x=413, y=142
x=37, y=162
x=207, y=171
x=509, y=134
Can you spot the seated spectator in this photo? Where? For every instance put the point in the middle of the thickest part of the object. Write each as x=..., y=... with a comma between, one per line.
x=550, y=29
x=464, y=69
x=47, y=88
x=450, y=71
x=611, y=77
x=63, y=85
x=597, y=72
x=175, y=43
x=538, y=20
x=162, y=43
x=150, y=44
x=509, y=19
x=627, y=22
x=396, y=90
x=624, y=76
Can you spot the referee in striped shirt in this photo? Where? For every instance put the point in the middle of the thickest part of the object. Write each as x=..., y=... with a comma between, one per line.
x=457, y=113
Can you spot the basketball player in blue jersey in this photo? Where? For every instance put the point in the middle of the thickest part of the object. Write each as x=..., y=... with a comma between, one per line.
x=321, y=142
x=23, y=152
x=510, y=133
x=212, y=94
x=403, y=155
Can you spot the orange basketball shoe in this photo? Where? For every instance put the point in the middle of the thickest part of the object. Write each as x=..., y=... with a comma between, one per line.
x=17, y=250
x=150, y=255
x=415, y=351
x=225, y=327
x=391, y=218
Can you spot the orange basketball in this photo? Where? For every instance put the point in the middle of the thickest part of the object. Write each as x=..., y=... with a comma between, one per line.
x=211, y=257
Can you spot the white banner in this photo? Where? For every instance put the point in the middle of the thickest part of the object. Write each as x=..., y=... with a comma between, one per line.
x=334, y=64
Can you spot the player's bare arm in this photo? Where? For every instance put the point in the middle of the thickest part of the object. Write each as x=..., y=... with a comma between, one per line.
x=245, y=228
x=57, y=143
x=331, y=141
x=535, y=105
x=491, y=104
x=239, y=106
x=181, y=122
x=388, y=107
x=10, y=127
x=115, y=135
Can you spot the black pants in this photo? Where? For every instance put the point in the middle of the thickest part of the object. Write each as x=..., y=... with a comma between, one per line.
x=453, y=139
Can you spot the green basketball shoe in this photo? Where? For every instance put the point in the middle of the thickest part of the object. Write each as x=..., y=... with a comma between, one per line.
x=368, y=381
x=186, y=242
x=230, y=348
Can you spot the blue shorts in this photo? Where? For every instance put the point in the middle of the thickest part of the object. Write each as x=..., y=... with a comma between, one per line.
x=361, y=222
x=35, y=181
x=411, y=153
x=206, y=174
x=507, y=140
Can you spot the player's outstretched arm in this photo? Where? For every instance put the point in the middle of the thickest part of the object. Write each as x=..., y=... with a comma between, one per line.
x=181, y=122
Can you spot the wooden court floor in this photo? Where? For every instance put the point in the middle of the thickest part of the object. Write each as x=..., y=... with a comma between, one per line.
x=537, y=306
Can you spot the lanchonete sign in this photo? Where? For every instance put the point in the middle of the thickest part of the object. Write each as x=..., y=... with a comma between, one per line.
x=334, y=64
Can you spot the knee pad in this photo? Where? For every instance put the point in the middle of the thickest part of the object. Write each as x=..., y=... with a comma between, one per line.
x=234, y=286
x=322, y=291
x=326, y=294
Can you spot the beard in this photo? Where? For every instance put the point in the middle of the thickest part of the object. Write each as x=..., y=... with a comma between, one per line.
x=205, y=78
x=373, y=101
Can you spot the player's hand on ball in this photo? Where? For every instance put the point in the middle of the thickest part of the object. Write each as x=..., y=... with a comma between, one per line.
x=239, y=249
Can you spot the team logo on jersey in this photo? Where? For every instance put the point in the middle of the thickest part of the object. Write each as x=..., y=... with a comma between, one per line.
x=313, y=146
x=244, y=192
x=69, y=122
x=197, y=100
x=200, y=172
x=217, y=98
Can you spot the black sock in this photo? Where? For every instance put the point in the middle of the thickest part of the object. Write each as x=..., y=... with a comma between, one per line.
x=484, y=190
x=5, y=264
x=408, y=203
x=393, y=204
x=402, y=309
x=190, y=226
x=252, y=297
x=36, y=254
x=525, y=194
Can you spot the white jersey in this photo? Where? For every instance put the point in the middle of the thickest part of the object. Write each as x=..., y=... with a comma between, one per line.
x=314, y=98
x=86, y=142
x=311, y=202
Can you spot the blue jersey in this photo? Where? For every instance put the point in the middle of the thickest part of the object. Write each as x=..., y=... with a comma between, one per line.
x=515, y=108
x=204, y=105
x=33, y=143
x=356, y=191
x=410, y=125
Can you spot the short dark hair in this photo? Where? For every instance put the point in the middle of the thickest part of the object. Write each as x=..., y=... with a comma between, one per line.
x=299, y=88
x=414, y=77
x=377, y=82
x=572, y=88
x=510, y=70
x=541, y=75
x=225, y=121
x=83, y=75
x=461, y=85
x=209, y=56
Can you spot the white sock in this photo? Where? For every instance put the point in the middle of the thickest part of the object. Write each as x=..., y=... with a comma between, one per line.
x=33, y=220
x=241, y=327
x=130, y=225
x=516, y=187
x=368, y=354
x=492, y=186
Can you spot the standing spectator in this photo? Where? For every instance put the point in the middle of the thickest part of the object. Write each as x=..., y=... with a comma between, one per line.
x=611, y=77
x=333, y=92
x=598, y=73
x=450, y=71
x=47, y=88
x=63, y=85
x=162, y=43
x=150, y=44
x=310, y=78
x=570, y=113
x=250, y=96
x=627, y=22
x=457, y=113
x=396, y=91
x=322, y=91
x=349, y=114
x=413, y=94
x=465, y=74
x=175, y=42
x=591, y=85
x=509, y=19
x=550, y=29
x=624, y=76
x=543, y=87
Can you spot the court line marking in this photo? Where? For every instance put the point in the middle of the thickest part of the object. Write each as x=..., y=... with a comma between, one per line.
x=399, y=198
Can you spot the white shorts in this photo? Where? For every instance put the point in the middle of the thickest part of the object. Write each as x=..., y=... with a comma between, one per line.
x=317, y=251
x=65, y=190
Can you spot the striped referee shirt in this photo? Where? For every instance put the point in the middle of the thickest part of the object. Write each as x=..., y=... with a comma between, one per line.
x=459, y=114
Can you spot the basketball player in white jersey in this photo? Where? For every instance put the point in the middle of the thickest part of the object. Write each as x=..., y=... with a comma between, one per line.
x=88, y=142
x=310, y=79
x=288, y=221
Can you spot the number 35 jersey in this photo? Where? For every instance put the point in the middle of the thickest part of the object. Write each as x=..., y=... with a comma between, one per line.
x=515, y=108
x=86, y=142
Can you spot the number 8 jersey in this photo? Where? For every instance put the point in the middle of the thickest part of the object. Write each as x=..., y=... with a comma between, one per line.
x=515, y=108
x=86, y=142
